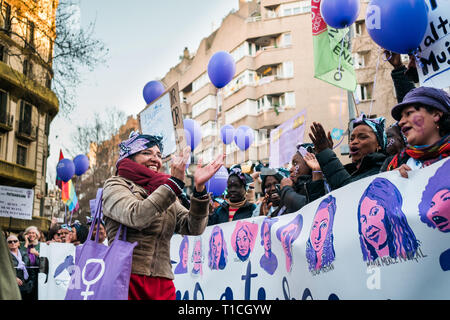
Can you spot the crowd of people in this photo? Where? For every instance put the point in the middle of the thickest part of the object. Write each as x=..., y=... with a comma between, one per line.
x=154, y=206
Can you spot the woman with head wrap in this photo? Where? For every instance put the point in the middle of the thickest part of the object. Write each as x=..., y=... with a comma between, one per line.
x=145, y=200
x=367, y=147
x=423, y=118
x=237, y=207
x=305, y=182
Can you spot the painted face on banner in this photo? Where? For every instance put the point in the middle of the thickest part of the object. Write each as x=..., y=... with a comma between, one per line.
x=319, y=229
x=266, y=238
x=286, y=238
x=372, y=222
x=439, y=212
x=216, y=248
x=197, y=255
x=243, y=242
x=185, y=255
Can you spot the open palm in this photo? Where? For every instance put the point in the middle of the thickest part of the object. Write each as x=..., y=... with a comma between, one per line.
x=203, y=174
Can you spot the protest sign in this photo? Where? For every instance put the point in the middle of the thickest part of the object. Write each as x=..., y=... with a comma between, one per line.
x=435, y=48
x=164, y=117
x=373, y=239
x=284, y=138
x=16, y=203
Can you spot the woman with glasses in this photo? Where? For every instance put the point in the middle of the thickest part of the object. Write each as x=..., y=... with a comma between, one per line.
x=20, y=261
x=145, y=200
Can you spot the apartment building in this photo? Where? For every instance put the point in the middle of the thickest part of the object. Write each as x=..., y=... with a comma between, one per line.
x=271, y=43
x=27, y=104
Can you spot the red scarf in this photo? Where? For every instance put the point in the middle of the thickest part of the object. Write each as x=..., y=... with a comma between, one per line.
x=141, y=175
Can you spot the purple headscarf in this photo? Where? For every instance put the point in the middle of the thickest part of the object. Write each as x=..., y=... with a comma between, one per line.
x=136, y=143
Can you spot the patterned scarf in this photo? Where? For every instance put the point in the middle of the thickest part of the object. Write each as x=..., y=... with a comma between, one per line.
x=429, y=154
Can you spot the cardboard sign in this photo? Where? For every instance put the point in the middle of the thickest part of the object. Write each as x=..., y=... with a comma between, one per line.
x=164, y=117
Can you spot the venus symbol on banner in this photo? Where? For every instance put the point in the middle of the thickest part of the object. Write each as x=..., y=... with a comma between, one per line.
x=88, y=284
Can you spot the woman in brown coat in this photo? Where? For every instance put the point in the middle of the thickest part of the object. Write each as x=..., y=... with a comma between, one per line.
x=144, y=199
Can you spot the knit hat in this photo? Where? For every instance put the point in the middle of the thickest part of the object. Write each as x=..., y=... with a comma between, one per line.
x=279, y=174
x=432, y=97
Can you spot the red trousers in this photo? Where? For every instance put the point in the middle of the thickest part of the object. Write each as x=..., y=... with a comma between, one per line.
x=150, y=288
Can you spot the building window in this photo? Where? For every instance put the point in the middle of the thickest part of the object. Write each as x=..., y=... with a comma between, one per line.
x=364, y=92
x=358, y=28
x=30, y=34
x=359, y=60
x=25, y=118
x=3, y=107
x=5, y=17
x=288, y=69
x=287, y=39
x=2, y=53
x=200, y=82
x=21, y=155
x=27, y=67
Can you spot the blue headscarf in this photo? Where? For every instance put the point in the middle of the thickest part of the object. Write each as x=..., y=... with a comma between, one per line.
x=377, y=126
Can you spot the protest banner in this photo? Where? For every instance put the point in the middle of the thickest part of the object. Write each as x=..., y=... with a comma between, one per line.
x=434, y=51
x=164, y=117
x=57, y=266
x=382, y=237
x=284, y=139
x=373, y=239
x=16, y=203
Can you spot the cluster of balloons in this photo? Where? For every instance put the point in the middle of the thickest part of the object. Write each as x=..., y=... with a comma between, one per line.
x=395, y=25
x=242, y=136
x=66, y=168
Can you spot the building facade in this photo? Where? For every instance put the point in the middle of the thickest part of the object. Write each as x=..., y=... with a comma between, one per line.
x=27, y=103
x=271, y=43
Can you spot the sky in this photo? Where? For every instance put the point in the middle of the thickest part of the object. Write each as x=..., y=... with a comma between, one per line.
x=145, y=39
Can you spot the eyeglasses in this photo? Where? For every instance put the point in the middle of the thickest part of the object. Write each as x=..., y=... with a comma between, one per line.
x=13, y=241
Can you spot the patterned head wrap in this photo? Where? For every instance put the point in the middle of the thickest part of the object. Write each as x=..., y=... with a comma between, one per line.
x=236, y=170
x=136, y=143
x=377, y=126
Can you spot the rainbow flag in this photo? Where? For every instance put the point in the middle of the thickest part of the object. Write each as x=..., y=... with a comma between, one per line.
x=329, y=56
x=68, y=196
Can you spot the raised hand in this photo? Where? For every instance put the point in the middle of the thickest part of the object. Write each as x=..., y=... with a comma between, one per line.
x=321, y=140
x=311, y=161
x=178, y=165
x=203, y=174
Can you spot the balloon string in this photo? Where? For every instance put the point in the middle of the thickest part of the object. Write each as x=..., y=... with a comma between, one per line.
x=340, y=57
x=340, y=117
x=375, y=82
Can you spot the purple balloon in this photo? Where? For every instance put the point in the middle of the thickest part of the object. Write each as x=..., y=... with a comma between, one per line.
x=152, y=91
x=397, y=26
x=221, y=69
x=65, y=169
x=339, y=14
x=193, y=133
x=81, y=163
x=218, y=183
x=243, y=137
x=227, y=133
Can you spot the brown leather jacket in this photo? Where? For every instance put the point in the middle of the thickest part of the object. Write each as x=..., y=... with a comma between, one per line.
x=151, y=221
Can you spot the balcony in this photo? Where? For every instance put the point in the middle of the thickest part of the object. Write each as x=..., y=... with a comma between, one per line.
x=6, y=122
x=15, y=175
x=26, y=131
